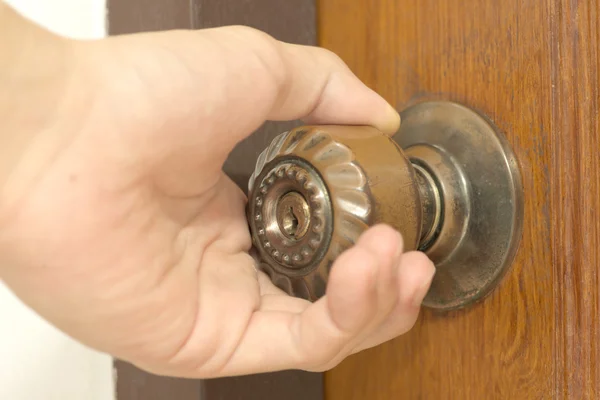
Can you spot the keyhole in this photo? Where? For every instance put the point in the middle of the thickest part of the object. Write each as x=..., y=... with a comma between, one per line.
x=290, y=222
x=293, y=215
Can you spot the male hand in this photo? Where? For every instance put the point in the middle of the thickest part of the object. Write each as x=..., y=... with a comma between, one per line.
x=118, y=225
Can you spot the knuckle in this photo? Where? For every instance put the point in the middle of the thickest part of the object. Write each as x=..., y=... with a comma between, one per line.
x=315, y=357
x=408, y=323
x=248, y=31
x=327, y=364
x=258, y=41
x=267, y=52
x=331, y=57
x=320, y=362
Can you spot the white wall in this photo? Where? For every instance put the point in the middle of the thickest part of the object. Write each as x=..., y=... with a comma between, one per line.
x=38, y=362
x=83, y=19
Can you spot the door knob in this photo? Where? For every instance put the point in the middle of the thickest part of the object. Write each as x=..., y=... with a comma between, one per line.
x=447, y=180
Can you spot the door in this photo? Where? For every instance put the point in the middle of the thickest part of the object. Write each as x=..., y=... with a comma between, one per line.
x=530, y=66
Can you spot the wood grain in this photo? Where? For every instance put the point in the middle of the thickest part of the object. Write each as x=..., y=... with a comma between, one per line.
x=532, y=66
x=575, y=196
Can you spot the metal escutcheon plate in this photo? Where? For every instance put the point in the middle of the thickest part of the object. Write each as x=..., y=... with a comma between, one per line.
x=483, y=208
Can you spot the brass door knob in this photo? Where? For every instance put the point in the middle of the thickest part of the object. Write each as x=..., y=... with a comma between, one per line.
x=447, y=180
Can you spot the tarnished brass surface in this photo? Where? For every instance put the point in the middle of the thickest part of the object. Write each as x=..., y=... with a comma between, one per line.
x=482, y=198
x=453, y=192
x=349, y=178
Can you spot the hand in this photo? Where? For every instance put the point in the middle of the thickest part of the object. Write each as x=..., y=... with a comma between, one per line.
x=118, y=225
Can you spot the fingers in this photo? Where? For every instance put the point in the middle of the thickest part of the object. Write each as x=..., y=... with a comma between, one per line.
x=383, y=245
x=223, y=83
x=278, y=340
x=273, y=80
x=322, y=89
x=267, y=287
x=371, y=296
x=412, y=281
x=274, y=302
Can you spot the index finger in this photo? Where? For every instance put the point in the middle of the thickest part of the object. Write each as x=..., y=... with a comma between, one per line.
x=236, y=77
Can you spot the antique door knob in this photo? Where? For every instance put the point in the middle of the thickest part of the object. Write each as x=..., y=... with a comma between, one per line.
x=447, y=180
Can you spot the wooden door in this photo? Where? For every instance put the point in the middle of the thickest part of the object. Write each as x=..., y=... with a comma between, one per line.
x=532, y=66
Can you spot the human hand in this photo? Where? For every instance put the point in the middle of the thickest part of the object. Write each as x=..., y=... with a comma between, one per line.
x=118, y=225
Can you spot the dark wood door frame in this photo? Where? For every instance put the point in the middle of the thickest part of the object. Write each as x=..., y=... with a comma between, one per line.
x=292, y=21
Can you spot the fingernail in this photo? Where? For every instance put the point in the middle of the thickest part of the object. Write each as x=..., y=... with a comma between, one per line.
x=391, y=121
x=422, y=291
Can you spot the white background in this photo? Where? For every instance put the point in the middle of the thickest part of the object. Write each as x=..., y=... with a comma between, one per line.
x=38, y=362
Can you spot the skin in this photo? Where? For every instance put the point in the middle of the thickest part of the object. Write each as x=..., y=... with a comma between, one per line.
x=119, y=227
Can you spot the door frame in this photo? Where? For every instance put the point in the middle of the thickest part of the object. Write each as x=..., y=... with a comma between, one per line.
x=293, y=21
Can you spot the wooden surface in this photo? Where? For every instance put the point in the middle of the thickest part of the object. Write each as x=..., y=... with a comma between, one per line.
x=532, y=66
x=291, y=21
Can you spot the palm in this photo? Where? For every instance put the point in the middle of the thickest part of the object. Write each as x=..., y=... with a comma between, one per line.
x=130, y=213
